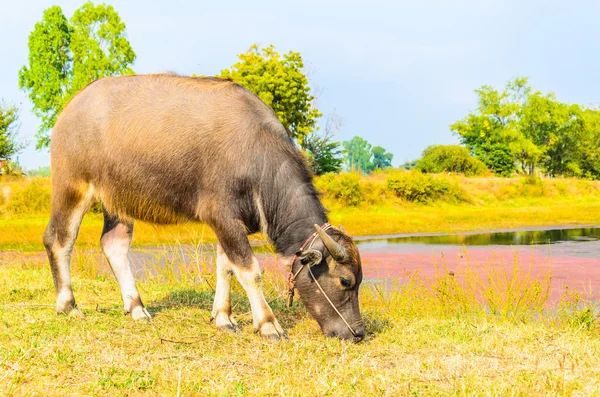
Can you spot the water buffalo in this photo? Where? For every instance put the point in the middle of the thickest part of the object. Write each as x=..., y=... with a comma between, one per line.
x=167, y=149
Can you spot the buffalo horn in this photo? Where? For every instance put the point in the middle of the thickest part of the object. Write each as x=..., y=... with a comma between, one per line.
x=336, y=250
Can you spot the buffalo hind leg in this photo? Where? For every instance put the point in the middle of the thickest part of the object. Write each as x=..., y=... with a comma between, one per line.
x=115, y=242
x=234, y=241
x=221, y=313
x=69, y=205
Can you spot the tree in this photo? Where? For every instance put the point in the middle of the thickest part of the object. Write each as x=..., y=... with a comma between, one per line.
x=499, y=159
x=450, y=158
x=324, y=154
x=281, y=83
x=490, y=130
x=408, y=165
x=47, y=77
x=9, y=125
x=65, y=56
x=99, y=45
x=574, y=148
x=534, y=130
x=582, y=140
x=381, y=158
x=361, y=155
x=358, y=154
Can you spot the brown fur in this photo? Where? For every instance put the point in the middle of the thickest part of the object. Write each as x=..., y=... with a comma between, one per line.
x=110, y=142
x=167, y=149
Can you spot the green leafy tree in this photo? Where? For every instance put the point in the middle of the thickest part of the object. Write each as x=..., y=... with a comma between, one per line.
x=582, y=137
x=574, y=148
x=499, y=159
x=534, y=130
x=408, y=165
x=278, y=80
x=99, y=45
x=324, y=154
x=65, y=56
x=493, y=128
x=46, y=79
x=358, y=154
x=541, y=119
x=9, y=125
x=381, y=158
x=450, y=158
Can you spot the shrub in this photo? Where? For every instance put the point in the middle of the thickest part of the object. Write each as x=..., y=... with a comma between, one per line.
x=498, y=159
x=32, y=198
x=374, y=192
x=450, y=158
x=532, y=186
x=421, y=188
x=342, y=187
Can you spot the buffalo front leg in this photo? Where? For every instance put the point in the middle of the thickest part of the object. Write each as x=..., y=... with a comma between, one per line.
x=221, y=313
x=69, y=204
x=115, y=242
x=237, y=250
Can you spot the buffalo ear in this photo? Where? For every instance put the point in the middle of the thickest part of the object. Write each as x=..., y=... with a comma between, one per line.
x=310, y=257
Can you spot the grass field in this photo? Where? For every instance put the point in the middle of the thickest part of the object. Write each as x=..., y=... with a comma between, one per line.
x=477, y=332
x=449, y=338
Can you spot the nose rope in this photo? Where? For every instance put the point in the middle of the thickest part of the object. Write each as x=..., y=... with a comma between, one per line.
x=292, y=278
x=331, y=303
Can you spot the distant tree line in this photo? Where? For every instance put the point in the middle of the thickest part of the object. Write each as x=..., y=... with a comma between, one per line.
x=279, y=80
x=360, y=155
x=512, y=130
x=519, y=129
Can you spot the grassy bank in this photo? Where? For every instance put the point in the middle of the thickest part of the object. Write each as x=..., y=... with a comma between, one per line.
x=458, y=336
x=472, y=332
x=383, y=203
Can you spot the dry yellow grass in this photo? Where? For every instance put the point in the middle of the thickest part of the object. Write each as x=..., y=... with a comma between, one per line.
x=492, y=203
x=421, y=341
x=463, y=335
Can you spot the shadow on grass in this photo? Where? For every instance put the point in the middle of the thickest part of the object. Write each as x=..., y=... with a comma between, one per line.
x=183, y=298
x=203, y=300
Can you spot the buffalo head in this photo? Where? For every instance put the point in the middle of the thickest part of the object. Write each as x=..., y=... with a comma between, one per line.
x=328, y=283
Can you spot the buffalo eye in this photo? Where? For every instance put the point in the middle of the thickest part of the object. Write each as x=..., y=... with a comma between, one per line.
x=345, y=282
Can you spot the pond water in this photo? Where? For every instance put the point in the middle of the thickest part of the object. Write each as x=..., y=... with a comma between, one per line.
x=573, y=254
x=501, y=238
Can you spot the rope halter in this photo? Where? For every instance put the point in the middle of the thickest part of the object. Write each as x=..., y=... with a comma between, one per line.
x=291, y=278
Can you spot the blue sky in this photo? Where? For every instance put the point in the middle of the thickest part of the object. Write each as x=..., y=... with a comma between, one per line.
x=397, y=72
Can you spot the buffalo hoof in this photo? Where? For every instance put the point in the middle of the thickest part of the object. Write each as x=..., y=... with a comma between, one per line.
x=65, y=303
x=272, y=331
x=76, y=313
x=224, y=321
x=70, y=310
x=139, y=313
x=228, y=328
